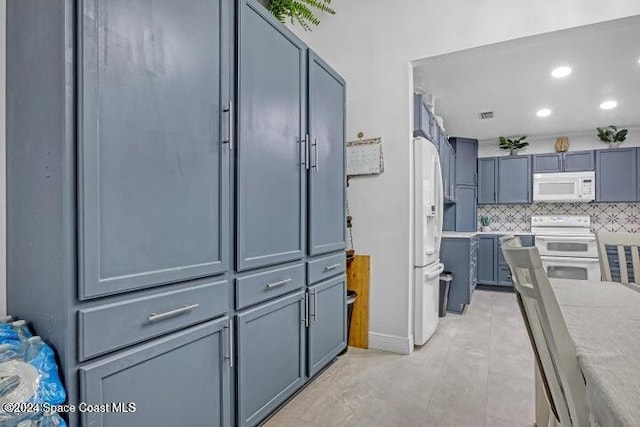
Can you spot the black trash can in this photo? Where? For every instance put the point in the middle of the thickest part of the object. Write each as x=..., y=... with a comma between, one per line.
x=445, y=282
x=351, y=298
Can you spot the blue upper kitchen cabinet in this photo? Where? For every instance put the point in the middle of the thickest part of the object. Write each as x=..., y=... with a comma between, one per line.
x=547, y=162
x=514, y=179
x=422, y=118
x=616, y=175
x=487, y=180
x=579, y=161
x=153, y=163
x=466, y=158
x=326, y=120
x=271, y=158
x=575, y=161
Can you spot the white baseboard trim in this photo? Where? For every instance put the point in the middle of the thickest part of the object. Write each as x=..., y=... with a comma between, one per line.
x=392, y=343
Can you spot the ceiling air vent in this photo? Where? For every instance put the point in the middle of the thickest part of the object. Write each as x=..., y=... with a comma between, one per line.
x=484, y=115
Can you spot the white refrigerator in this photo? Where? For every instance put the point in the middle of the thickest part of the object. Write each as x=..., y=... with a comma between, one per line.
x=427, y=234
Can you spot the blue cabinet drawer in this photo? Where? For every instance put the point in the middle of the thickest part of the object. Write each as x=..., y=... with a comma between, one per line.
x=257, y=287
x=322, y=268
x=109, y=327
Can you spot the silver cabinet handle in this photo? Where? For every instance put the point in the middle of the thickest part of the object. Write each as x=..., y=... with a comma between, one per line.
x=306, y=309
x=315, y=306
x=279, y=283
x=304, y=145
x=315, y=155
x=332, y=267
x=231, y=354
x=229, y=110
x=154, y=317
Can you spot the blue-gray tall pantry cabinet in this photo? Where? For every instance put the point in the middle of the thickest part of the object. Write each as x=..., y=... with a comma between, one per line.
x=175, y=194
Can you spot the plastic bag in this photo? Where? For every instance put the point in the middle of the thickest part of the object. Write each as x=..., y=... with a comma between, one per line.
x=28, y=374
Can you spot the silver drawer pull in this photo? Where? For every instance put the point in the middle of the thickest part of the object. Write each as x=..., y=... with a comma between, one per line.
x=280, y=283
x=153, y=317
x=332, y=267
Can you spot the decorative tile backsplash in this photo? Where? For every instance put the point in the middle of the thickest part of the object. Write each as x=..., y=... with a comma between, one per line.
x=604, y=216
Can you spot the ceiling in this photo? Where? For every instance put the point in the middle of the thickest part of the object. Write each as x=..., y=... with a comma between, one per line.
x=513, y=79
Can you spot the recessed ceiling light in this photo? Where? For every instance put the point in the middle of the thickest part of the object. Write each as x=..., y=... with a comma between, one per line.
x=608, y=105
x=560, y=72
x=543, y=112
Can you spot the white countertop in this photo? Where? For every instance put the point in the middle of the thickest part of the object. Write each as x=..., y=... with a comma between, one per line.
x=470, y=234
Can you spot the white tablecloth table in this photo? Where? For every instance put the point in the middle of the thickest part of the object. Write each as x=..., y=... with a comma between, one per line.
x=603, y=320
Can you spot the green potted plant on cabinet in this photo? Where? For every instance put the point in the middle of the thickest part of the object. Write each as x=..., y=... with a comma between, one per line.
x=612, y=136
x=484, y=223
x=301, y=12
x=513, y=145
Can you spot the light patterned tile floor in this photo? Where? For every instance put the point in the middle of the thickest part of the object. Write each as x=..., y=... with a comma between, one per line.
x=476, y=370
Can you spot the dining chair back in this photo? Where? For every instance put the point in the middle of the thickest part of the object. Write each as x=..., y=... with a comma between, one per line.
x=553, y=349
x=619, y=256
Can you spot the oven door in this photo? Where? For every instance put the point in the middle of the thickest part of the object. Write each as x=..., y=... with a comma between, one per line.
x=567, y=246
x=572, y=268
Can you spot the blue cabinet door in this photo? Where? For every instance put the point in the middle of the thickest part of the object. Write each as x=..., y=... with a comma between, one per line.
x=183, y=376
x=514, y=179
x=487, y=180
x=548, y=162
x=466, y=160
x=466, y=216
x=578, y=161
x=327, y=335
x=271, y=171
x=487, y=259
x=456, y=254
x=153, y=167
x=452, y=172
x=445, y=165
x=271, y=355
x=616, y=175
x=327, y=226
x=422, y=120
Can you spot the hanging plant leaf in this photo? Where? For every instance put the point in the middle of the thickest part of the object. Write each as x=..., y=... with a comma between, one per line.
x=300, y=11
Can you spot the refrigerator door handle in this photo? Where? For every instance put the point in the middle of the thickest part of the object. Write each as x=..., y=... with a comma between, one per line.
x=435, y=272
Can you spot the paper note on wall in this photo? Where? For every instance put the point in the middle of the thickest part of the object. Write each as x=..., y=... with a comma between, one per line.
x=364, y=157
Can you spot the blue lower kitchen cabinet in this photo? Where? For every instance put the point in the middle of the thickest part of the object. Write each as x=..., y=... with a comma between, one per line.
x=487, y=256
x=327, y=335
x=617, y=175
x=492, y=267
x=459, y=255
x=270, y=356
x=180, y=379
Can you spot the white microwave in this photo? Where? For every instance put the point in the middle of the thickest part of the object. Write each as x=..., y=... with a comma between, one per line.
x=564, y=187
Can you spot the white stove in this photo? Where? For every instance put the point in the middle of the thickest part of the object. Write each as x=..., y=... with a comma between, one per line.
x=567, y=246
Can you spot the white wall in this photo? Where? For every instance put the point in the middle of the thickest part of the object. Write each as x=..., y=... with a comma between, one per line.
x=371, y=43
x=577, y=141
